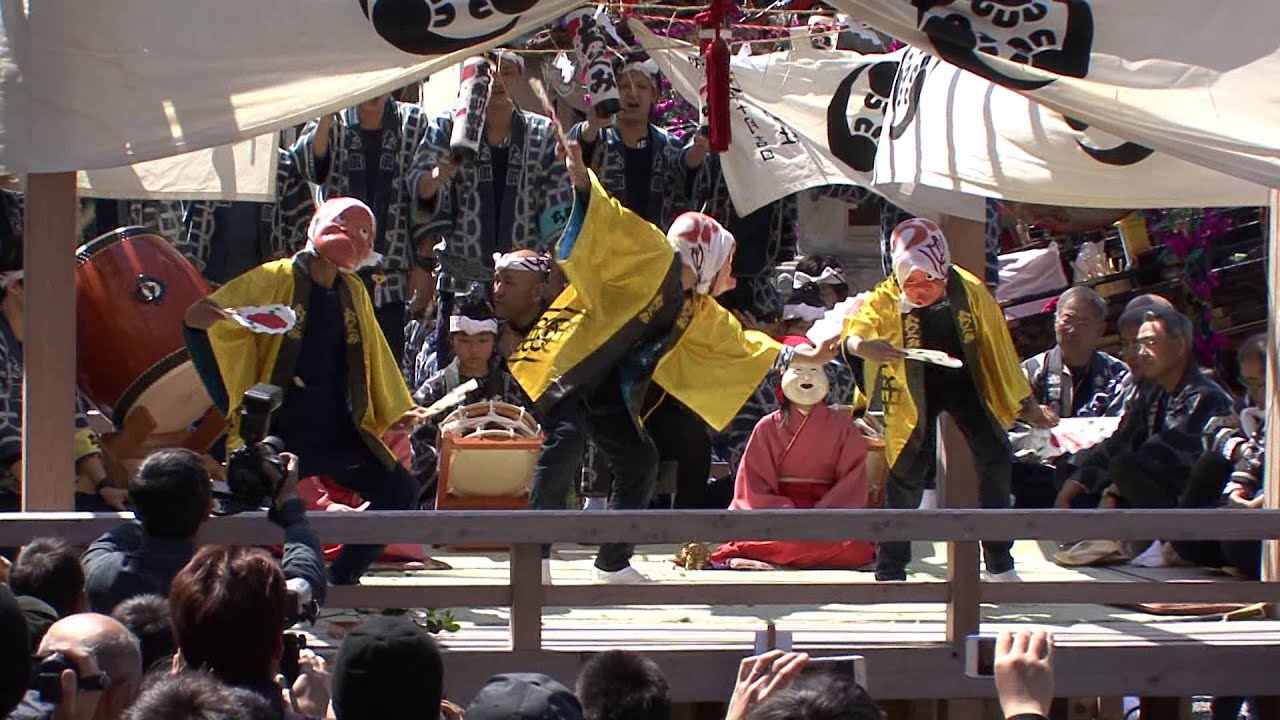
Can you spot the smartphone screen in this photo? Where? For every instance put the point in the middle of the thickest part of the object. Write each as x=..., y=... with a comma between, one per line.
x=852, y=666
x=980, y=656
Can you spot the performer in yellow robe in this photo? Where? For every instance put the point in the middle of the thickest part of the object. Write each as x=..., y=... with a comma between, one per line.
x=639, y=312
x=343, y=387
x=931, y=304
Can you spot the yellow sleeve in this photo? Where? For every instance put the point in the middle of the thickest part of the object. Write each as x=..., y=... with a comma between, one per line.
x=86, y=444
x=606, y=244
x=389, y=396
x=869, y=322
x=1006, y=382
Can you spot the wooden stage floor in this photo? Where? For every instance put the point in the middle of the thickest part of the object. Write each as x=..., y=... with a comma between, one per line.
x=642, y=625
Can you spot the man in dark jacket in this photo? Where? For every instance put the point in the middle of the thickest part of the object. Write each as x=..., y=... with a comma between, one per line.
x=172, y=497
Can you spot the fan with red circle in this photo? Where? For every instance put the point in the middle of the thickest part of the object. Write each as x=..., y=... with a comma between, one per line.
x=265, y=319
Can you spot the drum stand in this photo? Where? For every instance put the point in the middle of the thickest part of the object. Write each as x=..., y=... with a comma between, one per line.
x=124, y=449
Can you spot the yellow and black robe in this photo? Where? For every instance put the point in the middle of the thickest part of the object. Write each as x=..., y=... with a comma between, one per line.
x=232, y=358
x=624, y=285
x=989, y=355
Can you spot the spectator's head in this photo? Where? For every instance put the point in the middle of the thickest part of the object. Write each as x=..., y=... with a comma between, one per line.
x=388, y=669
x=921, y=261
x=15, y=652
x=826, y=274
x=194, y=695
x=1129, y=322
x=509, y=72
x=374, y=106
x=171, y=494
x=802, y=310
x=96, y=644
x=1079, y=321
x=706, y=250
x=1164, y=346
x=49, y=570
x=818, y=696
x=620, y=685
x=228, y=607
x=519, y=286
x=523, y=696
x=1252, y=357
x=13, y=294
x=473, y=330
x=147, y=617
x=637, y=88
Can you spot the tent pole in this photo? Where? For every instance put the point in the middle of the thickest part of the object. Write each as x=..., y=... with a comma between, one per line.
x=49, y=343
x=1271, y=484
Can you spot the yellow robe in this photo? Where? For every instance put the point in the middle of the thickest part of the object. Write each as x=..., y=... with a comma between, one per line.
x=245, y=358
x=984, y=333
x=622, y=275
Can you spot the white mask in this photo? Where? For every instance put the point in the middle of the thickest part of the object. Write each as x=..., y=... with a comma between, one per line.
x=805, y=383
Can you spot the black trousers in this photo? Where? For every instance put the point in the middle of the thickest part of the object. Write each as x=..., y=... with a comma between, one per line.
x=1209, y=475
x=911, y=475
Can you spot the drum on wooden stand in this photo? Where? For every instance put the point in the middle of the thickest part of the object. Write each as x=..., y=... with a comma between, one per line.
x=132, y=290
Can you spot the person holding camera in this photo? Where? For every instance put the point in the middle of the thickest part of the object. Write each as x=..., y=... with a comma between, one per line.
x=342, y=385
x=88, y=667
x=172, y=497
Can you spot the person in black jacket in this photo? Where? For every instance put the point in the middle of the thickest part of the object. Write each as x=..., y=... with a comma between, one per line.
x=172, y=497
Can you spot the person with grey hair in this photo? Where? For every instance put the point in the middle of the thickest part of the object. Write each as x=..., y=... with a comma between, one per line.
x=196, y=695
x=1148, y=459
x=1072, y=379
x=104, y=673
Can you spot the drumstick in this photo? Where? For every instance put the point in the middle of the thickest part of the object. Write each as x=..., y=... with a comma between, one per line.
x=456, y=396
x=540, y=92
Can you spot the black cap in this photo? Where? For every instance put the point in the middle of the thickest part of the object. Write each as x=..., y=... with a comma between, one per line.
x=524, y=696
x=388, y=669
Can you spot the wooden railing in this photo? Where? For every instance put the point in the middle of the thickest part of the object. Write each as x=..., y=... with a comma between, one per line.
x=526, y=531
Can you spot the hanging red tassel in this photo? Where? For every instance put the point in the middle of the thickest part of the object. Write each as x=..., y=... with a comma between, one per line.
x=715, y=55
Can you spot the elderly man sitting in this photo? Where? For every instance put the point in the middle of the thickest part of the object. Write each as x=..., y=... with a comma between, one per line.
x=1147, y=461
x=1072, y=379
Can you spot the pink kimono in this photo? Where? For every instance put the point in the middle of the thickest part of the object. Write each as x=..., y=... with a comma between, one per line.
x=794, y=461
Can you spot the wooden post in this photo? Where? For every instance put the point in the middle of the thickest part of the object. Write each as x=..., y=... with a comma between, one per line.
x=967, y=239
x=49, y=343
x=1271, y=548
x=526, y=597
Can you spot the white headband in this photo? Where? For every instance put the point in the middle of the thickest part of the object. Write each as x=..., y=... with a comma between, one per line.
x=9, y=278
x=510, y=57
x=648, y=68
x=471, y=326
x=830, y=276
x=526, y=263
x=803, y=311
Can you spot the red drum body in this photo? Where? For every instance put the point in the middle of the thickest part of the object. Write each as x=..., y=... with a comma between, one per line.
x=132, y=290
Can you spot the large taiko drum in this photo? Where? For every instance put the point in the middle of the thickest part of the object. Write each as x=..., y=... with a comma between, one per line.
x=132, y=290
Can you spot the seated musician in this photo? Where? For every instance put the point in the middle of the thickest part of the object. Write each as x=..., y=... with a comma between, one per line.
x=805, y=455
x=343, y=386
x=94, y=490
x=1072, y=379
x=472, y=335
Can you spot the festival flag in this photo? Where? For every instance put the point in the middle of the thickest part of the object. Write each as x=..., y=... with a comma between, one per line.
x=111, y=83
x=244, y=171
x=801, y=119
x=952, y=129
x=1191, y=78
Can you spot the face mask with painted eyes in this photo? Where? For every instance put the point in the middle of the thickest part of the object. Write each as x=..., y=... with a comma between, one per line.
x=346, y=240
x=805, y=383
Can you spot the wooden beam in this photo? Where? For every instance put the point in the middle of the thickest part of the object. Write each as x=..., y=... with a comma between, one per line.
x=1271, y=488
x=49, y=342
x=647, y=527
x=526, y=597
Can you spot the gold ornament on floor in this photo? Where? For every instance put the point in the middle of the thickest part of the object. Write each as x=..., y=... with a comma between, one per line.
x=693, y=555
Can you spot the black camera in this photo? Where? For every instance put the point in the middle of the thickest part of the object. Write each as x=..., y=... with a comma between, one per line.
x=290, y=661
x=255, y=471
x=47, y=678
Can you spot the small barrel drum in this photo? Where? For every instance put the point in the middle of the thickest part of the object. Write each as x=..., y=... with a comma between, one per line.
x=132, y=290
x=487, y=450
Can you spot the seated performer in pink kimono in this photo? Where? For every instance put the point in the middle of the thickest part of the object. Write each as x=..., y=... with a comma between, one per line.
x=804, y=455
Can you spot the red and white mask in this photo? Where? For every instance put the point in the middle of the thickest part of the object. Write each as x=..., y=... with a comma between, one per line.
x=921, y=259
x=342, y=232
x=706, y=248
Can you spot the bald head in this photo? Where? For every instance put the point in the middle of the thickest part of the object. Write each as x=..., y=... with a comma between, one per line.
x=519, y=286
x=100, y=640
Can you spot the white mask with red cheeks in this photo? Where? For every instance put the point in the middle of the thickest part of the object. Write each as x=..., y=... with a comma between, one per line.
x=921, y=259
